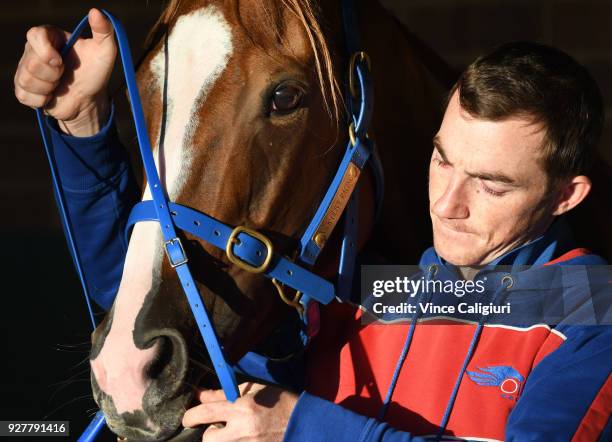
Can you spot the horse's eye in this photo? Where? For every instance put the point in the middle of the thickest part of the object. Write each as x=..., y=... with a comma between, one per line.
x=286, y=98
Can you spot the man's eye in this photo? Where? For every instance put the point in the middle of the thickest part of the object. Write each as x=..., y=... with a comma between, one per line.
x=491, y=191
x=286, y=98
x=440, y=162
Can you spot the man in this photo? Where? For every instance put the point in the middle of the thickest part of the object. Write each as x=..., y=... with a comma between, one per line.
x=511, y=157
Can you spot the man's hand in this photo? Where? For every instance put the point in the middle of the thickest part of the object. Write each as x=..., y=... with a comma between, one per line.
x=260, y=414
x=73, y=91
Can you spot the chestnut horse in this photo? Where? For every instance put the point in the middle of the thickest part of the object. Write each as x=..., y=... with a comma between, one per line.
x=253, y=128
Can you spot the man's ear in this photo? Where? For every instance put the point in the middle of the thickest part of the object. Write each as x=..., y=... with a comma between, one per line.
x=571, y=193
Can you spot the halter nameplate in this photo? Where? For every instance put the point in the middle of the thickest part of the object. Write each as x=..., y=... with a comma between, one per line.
x=338, y=203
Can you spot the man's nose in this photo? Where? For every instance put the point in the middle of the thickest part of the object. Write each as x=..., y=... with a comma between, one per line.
x=453, y=203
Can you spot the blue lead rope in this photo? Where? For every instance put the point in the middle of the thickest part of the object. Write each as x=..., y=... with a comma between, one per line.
x=172, y=243
x=57, y=184
x=98, y=421
x=92, y=430
x=61, y=204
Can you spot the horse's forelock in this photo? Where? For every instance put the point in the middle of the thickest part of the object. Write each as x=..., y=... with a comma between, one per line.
x=308, y=14
x=161, y=25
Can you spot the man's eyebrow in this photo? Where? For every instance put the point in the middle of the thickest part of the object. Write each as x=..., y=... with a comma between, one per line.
x=438, y=146
x=498, y=177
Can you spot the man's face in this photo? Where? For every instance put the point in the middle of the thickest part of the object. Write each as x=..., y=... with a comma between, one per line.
x=487, y=186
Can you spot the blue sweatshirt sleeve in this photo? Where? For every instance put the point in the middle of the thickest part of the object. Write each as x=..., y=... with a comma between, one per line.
x=314, y=418
x=568, y=395
x=100, y=191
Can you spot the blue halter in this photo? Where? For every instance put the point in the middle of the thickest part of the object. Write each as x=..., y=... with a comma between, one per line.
x=246, y=248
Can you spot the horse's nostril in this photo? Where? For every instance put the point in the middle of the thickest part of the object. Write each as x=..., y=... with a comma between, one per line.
x=164, y=357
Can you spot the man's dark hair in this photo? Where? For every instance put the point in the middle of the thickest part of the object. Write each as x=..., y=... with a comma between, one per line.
x=544, y=84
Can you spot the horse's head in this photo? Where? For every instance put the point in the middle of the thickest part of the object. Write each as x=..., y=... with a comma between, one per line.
x=241, y=104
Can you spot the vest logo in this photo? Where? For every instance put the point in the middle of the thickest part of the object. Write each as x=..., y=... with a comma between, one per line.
x=503, y=376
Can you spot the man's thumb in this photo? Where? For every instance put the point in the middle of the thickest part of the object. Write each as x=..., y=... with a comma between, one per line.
x=101, y=27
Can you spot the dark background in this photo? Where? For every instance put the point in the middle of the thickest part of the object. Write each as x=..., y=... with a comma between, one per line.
x=44, y=331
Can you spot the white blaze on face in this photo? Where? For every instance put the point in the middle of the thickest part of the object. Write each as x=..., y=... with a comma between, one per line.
x=199, y=47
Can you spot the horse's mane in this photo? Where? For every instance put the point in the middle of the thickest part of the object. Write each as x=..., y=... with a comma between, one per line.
x=307, y=13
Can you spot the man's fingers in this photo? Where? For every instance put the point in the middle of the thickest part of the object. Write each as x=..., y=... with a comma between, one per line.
x=250, y=387
x=32, y=64
x=210, y=395
x=30, y=99
x=209, y=413
x=214, y=434
x=45, y=41
x=34, y=85
x=101, y=27
x=219, y=395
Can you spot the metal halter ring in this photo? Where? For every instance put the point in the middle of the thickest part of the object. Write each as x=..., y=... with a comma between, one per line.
x=353, y=136
x=362, y=56
x=233, y=238
x=295, y=302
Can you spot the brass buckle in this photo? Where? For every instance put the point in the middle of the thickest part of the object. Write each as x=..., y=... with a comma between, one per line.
x=295, y=302
x=233, y=238
x=362, y=56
